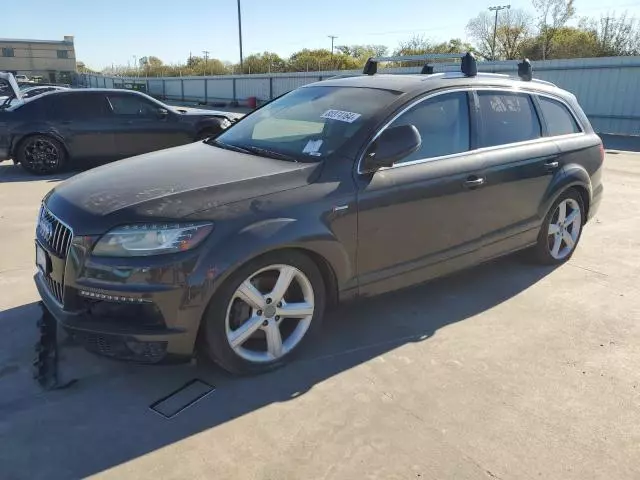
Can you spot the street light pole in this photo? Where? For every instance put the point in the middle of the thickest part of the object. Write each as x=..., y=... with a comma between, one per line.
x=240, y=34
x=496, y=9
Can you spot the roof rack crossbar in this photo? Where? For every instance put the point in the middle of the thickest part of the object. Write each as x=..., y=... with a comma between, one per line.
x=371, y=67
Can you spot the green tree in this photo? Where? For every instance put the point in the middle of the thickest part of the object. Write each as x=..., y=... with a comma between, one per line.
x=362, y=52
x=320, y=59
x=553, y=15
x=266, y=62
x=568, y=42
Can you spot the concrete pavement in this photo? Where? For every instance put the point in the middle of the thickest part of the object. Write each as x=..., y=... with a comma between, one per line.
x=506, y=371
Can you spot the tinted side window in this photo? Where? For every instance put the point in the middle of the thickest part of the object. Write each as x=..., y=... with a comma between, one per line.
x=557, y=117
x=132, y=105
x=443, y=123
x=76, y=106
x=507, y=118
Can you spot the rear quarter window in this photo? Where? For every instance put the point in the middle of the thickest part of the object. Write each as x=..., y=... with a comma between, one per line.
x=507, y=118
x=557, y=117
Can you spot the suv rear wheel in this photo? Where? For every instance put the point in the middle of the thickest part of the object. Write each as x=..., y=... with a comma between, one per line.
x=561, y=230
x=264, y=312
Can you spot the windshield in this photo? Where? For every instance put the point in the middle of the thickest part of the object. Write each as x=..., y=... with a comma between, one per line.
x=307, y=124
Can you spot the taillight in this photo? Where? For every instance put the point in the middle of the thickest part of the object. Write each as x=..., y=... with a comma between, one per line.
x=601, y=152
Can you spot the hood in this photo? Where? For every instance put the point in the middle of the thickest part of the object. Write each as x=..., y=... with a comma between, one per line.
x=170, y=184
x=204, y=111
x=9, y=86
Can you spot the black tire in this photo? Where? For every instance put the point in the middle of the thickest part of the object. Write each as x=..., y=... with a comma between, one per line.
x=542, y=252
x=214, y=342
x=41, y=155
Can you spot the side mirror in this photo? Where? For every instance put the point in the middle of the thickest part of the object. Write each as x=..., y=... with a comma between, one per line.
x=392, y=145
x=163, y=113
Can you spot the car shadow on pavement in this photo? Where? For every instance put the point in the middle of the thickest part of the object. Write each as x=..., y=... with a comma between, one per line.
x=104, y=419
x=10, y=173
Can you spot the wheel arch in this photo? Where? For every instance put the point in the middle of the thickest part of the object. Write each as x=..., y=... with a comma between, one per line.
x=18, y=140
x=573, y=177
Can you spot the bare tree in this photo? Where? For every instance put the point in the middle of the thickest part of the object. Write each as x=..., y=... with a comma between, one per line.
x=615, y=35
x=514, y=29
x=552, y=16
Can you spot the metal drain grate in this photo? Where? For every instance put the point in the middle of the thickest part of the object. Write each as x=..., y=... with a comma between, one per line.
x=182, y=398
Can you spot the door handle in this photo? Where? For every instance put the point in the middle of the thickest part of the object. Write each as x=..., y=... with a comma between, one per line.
x=551, y=165
x=474, y=182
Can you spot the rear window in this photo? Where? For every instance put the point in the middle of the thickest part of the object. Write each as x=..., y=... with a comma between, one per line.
x=557, y=117
x=77, y=105
x=507, y=118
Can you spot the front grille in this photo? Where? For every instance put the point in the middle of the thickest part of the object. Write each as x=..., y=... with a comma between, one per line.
x=53, y=233
x=55, y=288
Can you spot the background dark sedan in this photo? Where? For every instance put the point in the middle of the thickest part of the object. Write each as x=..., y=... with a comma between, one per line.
x=47, y=133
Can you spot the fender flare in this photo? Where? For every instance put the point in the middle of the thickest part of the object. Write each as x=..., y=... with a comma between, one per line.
x=573, y=176
x=275, y=234
x=17, y=138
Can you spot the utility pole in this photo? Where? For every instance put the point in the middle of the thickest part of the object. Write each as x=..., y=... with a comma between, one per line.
x=496, y=9
x=206, y=57
x=332, y=37
x=240, y=34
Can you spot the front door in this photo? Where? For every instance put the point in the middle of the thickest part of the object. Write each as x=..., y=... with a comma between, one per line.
x=141, y=126
x=417, y=215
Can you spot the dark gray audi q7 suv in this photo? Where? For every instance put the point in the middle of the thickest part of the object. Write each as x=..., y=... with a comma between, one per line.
x=340, y=189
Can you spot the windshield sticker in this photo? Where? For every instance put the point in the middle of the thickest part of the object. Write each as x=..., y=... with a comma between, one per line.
x=312, y=147
x=341, y=116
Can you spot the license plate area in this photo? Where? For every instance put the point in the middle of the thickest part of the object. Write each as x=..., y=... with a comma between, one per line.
x=43, y=262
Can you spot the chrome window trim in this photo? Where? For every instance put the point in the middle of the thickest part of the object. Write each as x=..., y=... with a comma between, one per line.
x=517, y=89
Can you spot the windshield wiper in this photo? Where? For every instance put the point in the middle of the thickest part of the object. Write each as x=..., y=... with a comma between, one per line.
x=269, y=153
x=227, y=146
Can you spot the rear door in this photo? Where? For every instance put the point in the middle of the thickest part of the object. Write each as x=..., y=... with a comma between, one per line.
x=84, y=121
x=143, y=126
x=519, y=165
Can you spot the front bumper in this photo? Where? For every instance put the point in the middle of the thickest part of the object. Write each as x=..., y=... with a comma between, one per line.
x=107, y=336
x=149, y=315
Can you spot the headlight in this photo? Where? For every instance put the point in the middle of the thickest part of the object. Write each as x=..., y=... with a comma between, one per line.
x=151, y=239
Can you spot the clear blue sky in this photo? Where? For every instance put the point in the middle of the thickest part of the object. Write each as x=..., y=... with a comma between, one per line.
x=114, y=31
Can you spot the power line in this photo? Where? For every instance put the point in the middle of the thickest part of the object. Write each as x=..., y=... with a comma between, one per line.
x=206, y=57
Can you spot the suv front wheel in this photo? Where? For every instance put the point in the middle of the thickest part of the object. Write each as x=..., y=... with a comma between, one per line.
x=264, y=312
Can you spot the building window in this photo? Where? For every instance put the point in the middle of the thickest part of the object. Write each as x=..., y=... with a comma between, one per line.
x=63, y=53
x=7, y=52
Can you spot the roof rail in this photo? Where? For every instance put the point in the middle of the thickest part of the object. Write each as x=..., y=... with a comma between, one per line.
x=468, y=62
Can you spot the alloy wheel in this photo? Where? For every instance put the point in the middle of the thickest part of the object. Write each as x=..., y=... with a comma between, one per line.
x=41, y=155
x=564, y=229
x=269, y=313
